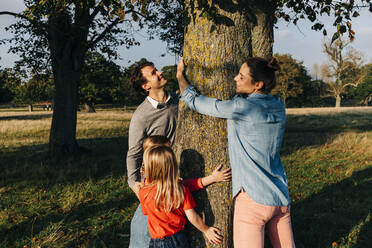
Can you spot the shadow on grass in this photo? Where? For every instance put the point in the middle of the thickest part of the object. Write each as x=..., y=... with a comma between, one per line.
x=72, y=219
x=313, y=130
x=335, y=212
x=30, y=165
x=25, y=117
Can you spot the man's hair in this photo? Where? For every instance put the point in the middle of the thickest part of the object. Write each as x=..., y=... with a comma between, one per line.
x=137, y=79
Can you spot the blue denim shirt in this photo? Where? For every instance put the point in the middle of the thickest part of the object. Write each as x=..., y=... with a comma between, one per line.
x=255, y=127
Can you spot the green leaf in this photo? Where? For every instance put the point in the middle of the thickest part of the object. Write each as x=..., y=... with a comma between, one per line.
x=335, y=36
x=355, y=14
x=317, y=26
x=324, y=32
x=343, y=29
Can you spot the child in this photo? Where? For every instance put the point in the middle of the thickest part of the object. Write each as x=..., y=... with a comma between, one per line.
x=167, y=201
x=193, y=184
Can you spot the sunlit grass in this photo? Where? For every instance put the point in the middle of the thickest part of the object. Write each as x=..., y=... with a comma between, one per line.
x=84, y=201
x=76, y=201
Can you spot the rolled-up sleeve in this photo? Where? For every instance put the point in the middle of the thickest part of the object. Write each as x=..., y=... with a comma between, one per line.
x=208, y=106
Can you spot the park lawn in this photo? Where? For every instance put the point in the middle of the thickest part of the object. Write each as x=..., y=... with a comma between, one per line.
x=84, y=200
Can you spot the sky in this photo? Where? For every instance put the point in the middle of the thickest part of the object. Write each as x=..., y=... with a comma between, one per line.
x=300, y=41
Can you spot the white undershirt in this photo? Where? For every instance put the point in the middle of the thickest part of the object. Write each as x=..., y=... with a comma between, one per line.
x=155, y=103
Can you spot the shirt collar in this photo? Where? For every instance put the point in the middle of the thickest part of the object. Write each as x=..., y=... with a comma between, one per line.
x=258, y=95
x=155, y=103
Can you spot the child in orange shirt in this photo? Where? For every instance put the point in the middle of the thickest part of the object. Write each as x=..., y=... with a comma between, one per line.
x=167, y=201
x=193, y=184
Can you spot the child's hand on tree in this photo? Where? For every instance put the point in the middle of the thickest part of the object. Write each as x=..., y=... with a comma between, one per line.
x=213, y=236
x=219, y=175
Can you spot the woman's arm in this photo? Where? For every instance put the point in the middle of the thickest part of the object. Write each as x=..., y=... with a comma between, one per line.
x=202, y=104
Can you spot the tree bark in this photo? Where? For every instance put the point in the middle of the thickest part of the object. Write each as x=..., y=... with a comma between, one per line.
x=63, y=130
x=214, y=49
x=338, y=101
x=67, y=55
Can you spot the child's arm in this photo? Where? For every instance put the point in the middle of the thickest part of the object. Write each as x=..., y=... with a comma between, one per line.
x=211, y=233
x=217, y=175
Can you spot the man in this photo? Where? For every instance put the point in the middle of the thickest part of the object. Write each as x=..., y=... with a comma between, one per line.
x=156, y=115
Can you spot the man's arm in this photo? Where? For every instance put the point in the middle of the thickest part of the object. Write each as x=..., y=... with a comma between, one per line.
x=182, y=83
x=134, y=155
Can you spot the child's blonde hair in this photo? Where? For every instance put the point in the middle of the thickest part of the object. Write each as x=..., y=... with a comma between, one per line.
x=162, y=170
x=150, y=141
x=155, y=140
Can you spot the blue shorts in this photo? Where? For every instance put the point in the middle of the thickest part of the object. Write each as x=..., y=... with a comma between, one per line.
x=177, y=240
x=139, y=230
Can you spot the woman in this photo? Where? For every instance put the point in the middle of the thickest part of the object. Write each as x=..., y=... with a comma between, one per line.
x=255, y=126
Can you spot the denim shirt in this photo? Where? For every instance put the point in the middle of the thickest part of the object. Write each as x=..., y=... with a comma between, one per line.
x=255, y=127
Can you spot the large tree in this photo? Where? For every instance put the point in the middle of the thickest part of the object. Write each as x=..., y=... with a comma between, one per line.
x=218, y=36
x=290, y=78
x=60, y=32
x=343, y=70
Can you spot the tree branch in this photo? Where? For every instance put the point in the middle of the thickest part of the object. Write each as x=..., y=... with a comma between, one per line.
x=92, y=43
x=95, y=11
x=14, y=14
x=32, y=21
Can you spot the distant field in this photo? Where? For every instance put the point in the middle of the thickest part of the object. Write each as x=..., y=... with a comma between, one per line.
x=84, y=200
x=361, y=110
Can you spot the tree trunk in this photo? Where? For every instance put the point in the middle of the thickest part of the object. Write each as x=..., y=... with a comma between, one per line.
x=338, y=101
x=63, y=130
x=215, y=47
x=67, y=55
x=89, y=107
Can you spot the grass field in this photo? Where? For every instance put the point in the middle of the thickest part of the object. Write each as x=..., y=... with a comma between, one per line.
x=84, y=200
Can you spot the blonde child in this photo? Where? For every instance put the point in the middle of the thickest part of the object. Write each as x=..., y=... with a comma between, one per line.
x=167, y=201
x=217, y=175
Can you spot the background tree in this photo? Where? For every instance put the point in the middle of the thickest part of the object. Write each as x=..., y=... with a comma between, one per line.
x=6, y=94
x=99, y=77
x=361, y=95
x=219, y=35
x=169, y=72
x=39, y=88
x=290, y=78
x=169, y=24
x=316, y=71
x=60, y=32
x=13, y=82
x=344, y=68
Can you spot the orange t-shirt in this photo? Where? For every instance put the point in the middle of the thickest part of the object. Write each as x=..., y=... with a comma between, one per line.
x=162, y=223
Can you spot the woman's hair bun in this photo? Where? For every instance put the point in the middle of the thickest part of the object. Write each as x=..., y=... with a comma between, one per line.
x=273, y=64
